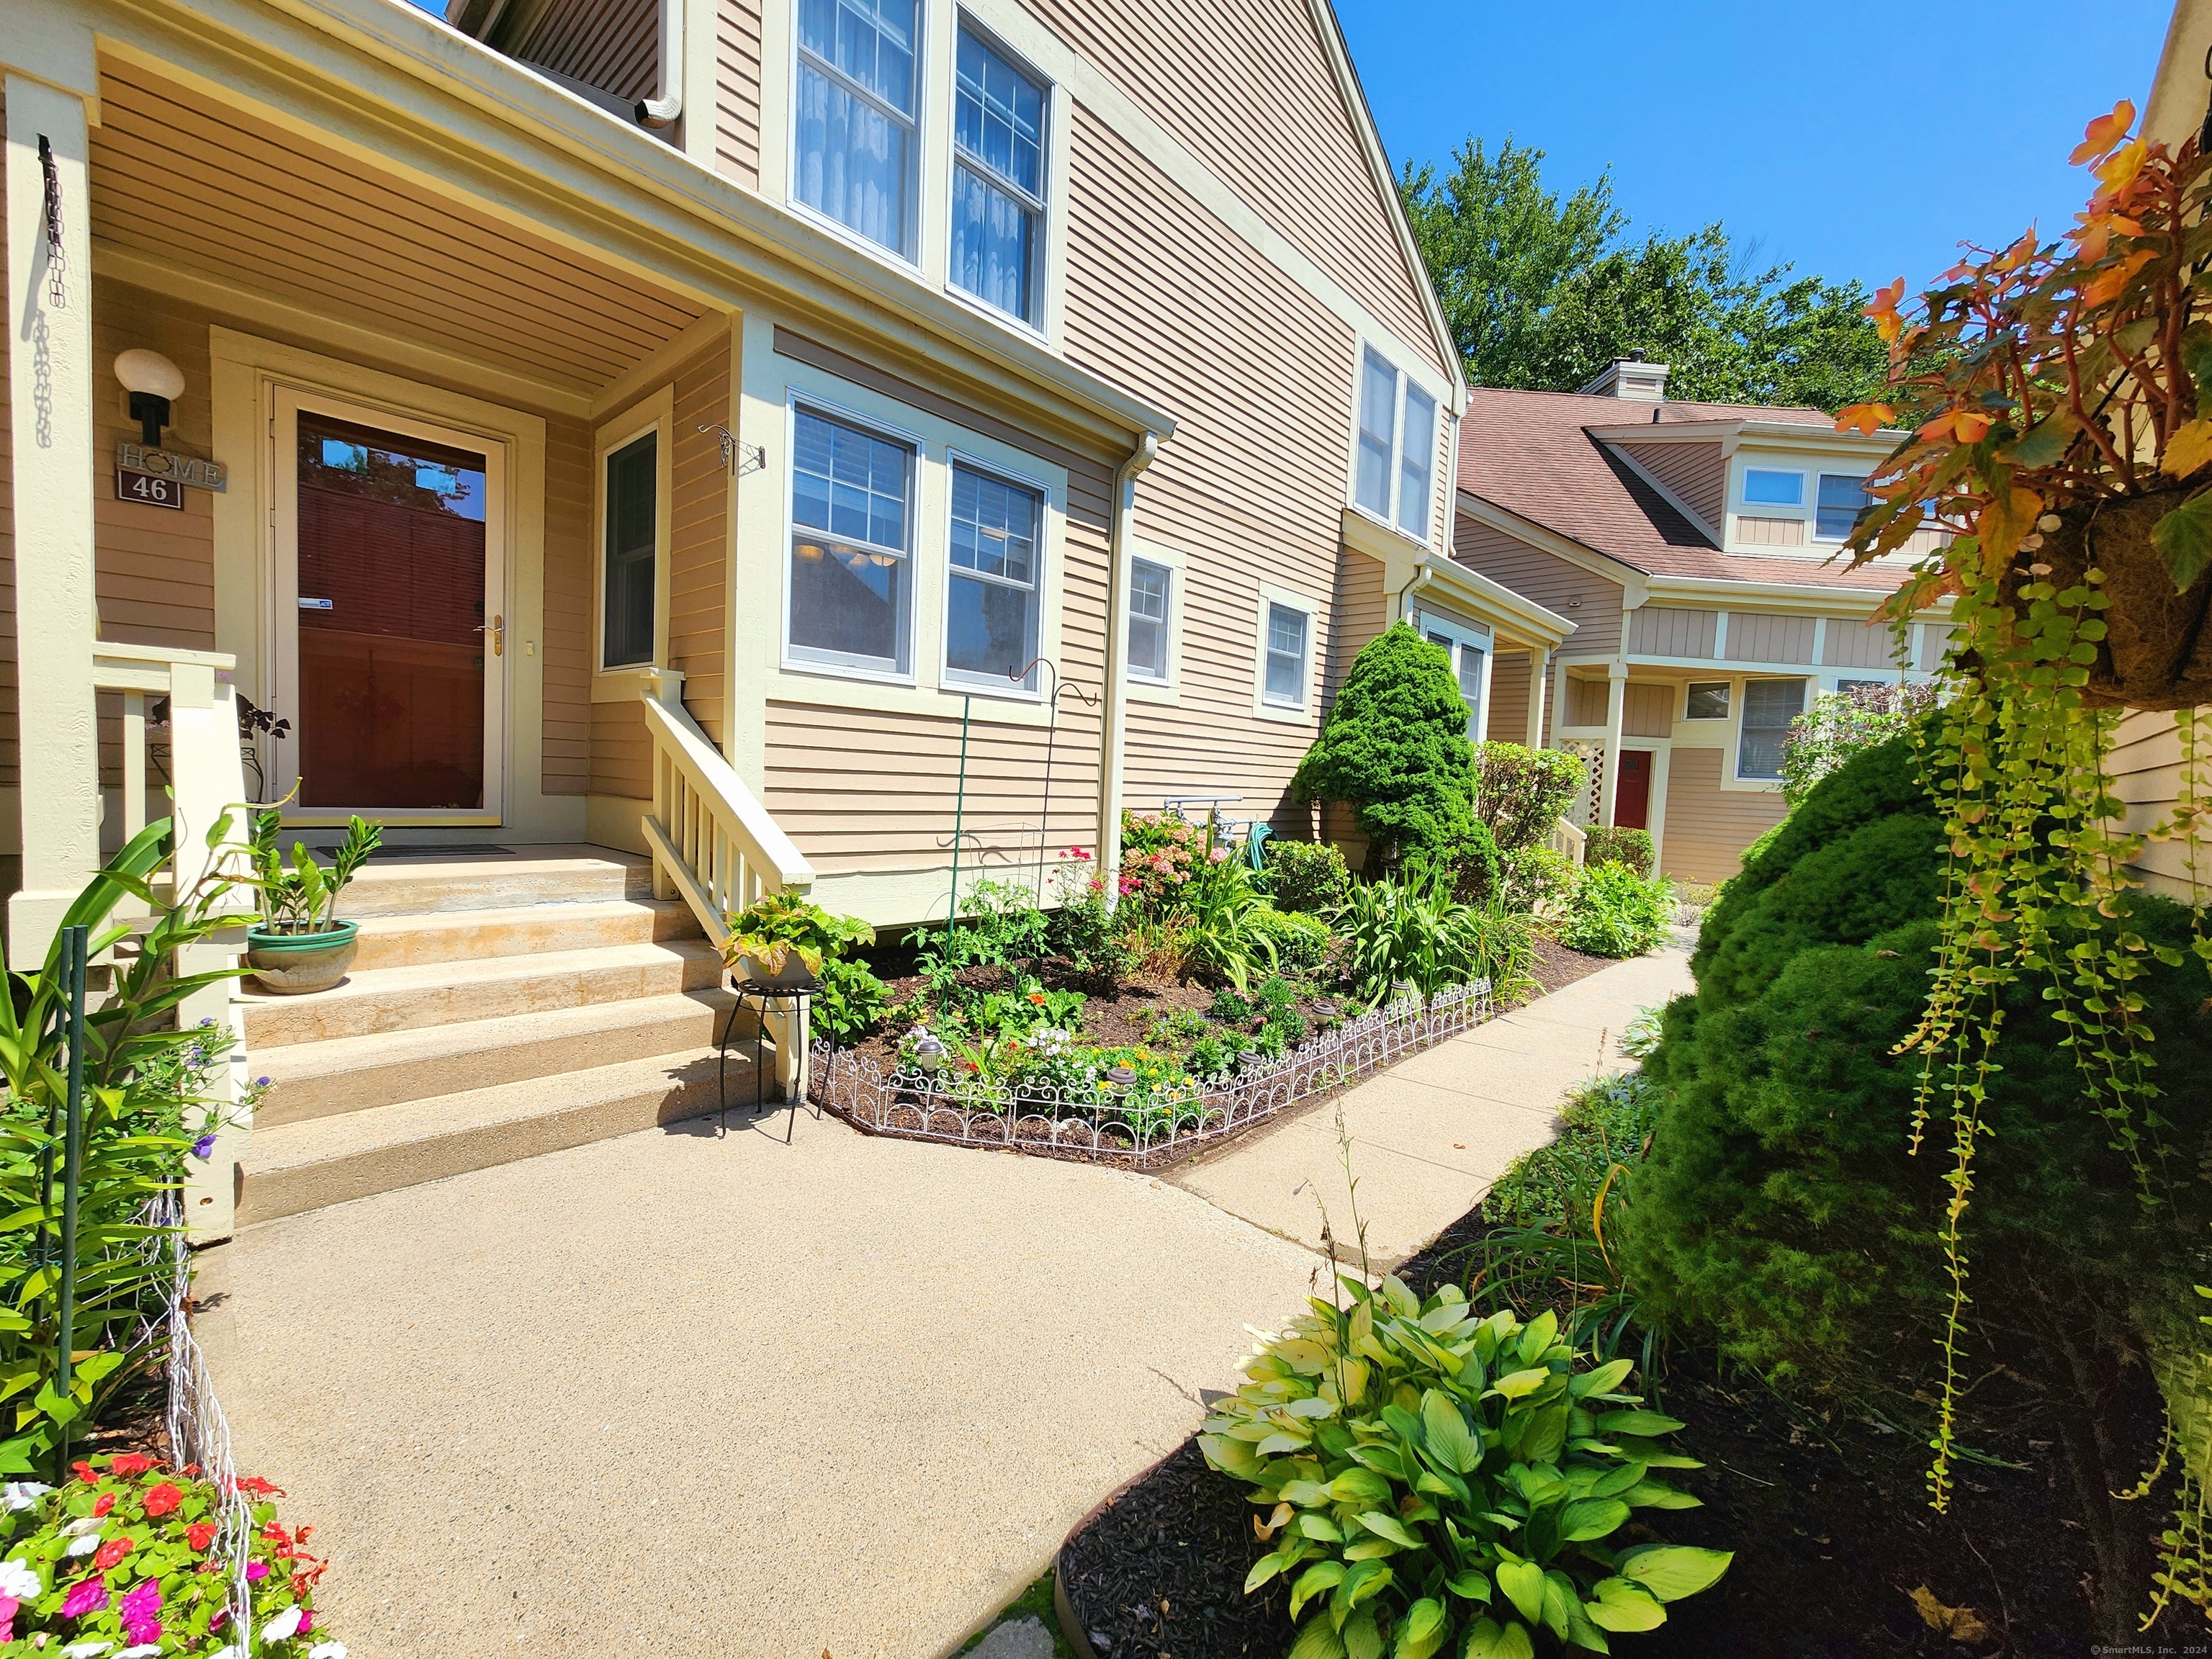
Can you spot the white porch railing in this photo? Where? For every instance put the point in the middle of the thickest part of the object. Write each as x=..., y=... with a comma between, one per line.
x=206, y=779
x=1568, y=839
x=714, y=845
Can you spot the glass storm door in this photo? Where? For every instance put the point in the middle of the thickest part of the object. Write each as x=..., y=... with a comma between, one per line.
x=388, y=566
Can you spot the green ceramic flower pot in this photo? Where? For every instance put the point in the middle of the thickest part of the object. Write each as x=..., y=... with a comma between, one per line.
x=291, y=965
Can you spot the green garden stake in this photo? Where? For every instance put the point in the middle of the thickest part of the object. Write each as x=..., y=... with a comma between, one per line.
x=75, y=941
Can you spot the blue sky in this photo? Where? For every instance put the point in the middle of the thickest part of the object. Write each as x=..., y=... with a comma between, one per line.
x=1842, y=137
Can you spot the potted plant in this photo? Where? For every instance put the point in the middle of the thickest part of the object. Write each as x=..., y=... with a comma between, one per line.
x=299, y=944
x=782, y=942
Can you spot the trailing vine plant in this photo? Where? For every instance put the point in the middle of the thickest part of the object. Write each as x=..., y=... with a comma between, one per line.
x=2053, y=483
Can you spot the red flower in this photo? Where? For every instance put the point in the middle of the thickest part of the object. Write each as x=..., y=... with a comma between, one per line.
x=163, y=1499
x=84, y=1471
x=199, y=1534
x=259, y=1487
x=129, y=1463
x=110, y=1553
x=104, y=1503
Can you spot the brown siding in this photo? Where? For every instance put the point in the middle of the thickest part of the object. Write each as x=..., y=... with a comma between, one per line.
x=1708, y=828
x=738, y=91
x=1590, y=602
x=567, y=742
x=1509, y=698
x=1246, y=86
x=1853, y=644
x=1770, y=532
x=1588, y=702
x=612, y=45
x=1755, y=636
x=1647, y=711
x=1658, y=630
x=1696, y=473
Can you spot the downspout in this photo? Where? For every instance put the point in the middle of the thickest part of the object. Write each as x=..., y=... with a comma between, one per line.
x=662, y=111
x=1420, y=578
x=1117, y=659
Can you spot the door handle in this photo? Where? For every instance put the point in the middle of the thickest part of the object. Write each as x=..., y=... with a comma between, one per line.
x=497, y=628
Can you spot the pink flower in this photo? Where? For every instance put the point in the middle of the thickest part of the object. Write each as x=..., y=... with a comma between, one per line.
x=256, y=1572
x=8, y=1606
x=137, y=1609
x=90, y=1595
x=1219, y=855
x=306, y=1619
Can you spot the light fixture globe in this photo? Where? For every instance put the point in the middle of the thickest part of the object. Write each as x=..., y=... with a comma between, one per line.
x=151, y=380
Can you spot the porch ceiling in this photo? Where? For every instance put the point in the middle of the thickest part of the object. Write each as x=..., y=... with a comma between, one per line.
x=185, y=186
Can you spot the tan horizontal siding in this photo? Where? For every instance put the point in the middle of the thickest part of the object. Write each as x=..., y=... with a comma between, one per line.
x=567, y=647
x=612, y=45
x=1508, y=720
x=2145, y=762
x=698, y=563
x=1363, y=611
x=1647, y=711
x=1757, y=636
x=1696, y=473
x=1590, y=602
x=621, y=752
x=1853, y=644
x=1707, y=827
x=1246, y=87
x=1659, y=630
x=738, y=91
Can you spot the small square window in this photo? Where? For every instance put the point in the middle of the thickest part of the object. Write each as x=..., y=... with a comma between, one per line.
x=1764, y=489
x=1285, y=683
x=1841, y=501
x=1150, y=588
x=1708, y=701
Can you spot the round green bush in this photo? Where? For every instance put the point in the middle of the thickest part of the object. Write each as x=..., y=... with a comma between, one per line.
x=1301, y=941
x=1614, y=912
x=1307, y=876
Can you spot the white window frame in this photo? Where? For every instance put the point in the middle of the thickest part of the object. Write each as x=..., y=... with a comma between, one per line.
x=908, y=260
x=656, y=414
x=1464, y=638
x=1301, y=712
x=1395, y=471
x=1171, y=560
x=961, y=679
x=966, y=21
x=1819, y=477
x=1740, y=702
x=1727, y=686
x=796, y=661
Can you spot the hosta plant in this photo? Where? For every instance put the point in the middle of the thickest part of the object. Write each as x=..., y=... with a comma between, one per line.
x=1436, y=1480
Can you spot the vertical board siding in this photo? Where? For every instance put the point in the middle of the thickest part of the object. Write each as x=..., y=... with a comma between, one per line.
x=1707, y=827
x=1509, y=697
x=1590, y=602
x=1696, y=473
x=612, y=45
x=10, y=761
x=1770, y=532
x=1757, y=636
x=1855, y=644
x=1658, y=630
x=1935, y=641
x=1647, y=710
x=738, y=91
x=1246, y=87
x=1588, y=702
x=1186, y=315
x=567, y=647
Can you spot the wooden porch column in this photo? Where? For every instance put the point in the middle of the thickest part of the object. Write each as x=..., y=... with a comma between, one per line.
x=1616, y=701
x=50, y=390
x=1540, y=683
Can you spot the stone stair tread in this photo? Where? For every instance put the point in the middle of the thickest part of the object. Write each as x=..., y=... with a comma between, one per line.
x=545, y=965
x=446, y=936
x=393, y=884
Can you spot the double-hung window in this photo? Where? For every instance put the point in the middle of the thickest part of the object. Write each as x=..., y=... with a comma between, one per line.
x=1838, y=506
x=998, y=181
x=1769, y=706
x=632, y=536
x=1151, y=588
x=851, y=588
x=991, y=605
x=1285, y=682
x=1465, y=656
x=856, y=142
x=1391, y=476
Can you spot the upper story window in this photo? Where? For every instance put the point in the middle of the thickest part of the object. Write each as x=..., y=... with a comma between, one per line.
x=1769, y=706
x=1765, y=488
x=1392, y=475
x=628, y=553
x=856, y=144
x=851, y=588
x=1152, y=587
x=998, y=181
x=1837, y=508
x=991, y=606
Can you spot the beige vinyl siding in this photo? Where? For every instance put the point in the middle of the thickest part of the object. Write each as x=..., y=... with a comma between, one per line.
x=621, y=752
x=1246, y=86
x=1658, y=630
x=1590, y=602
x=205, y=187
x=1757, y=636
x=1935, y=641
x=738, y=91
x=1855, y=644
x=1509, y=697
x=1363, y=611
x=1706, y=827
x=1165, y=300
x=612, y=45
x=10, y=762
x=1588, y=702
x=1647, y=710
x=1696, y=474
x=698, y=561
x=1769, y=533
x=567, y=648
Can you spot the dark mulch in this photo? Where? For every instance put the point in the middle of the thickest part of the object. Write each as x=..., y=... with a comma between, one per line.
x=1827, y=1517
x=135, y=1418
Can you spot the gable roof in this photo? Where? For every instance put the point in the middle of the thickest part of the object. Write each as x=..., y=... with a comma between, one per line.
x=1536, y=455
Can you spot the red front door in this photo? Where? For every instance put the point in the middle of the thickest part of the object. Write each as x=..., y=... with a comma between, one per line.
x=1632, y=800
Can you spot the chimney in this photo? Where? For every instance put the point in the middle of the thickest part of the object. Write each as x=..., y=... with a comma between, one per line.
x=1630, y=377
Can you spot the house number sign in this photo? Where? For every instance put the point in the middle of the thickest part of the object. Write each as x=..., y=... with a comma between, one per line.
x=148, y=489
x=178, y=469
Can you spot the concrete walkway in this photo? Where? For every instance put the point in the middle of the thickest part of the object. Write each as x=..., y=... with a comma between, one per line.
x=1430, y=1134
x=682, y=1395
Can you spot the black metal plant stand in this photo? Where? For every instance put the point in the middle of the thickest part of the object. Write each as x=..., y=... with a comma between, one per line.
x=799, y=1001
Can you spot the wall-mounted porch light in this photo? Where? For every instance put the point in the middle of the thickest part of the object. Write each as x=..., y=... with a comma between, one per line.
x=152, y=380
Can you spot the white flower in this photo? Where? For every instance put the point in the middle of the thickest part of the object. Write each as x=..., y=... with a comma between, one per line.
x=283, y=1626
x=23, y=1494
x=84, y=1546
x=85, y=1650
x=230, y=1652
x=143, y=1650
x=327, y=1650
x=82, y=1525
x=20, y=1580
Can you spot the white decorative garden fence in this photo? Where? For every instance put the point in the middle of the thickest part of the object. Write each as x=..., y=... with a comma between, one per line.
x=1132, y=1126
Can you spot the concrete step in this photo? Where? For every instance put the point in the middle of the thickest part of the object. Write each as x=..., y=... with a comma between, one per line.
x=310, y=1080
x=382, y=1000
x=293, y=1167
x=521, y=930
x=393, y=885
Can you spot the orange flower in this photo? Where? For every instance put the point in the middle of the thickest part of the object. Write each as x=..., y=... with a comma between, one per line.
x=1866, y=418
x=2103, y=134
x=1964, y=426
x=2108, y=285
x=1037, y=996
x=2118, y=171
x=1883, y=310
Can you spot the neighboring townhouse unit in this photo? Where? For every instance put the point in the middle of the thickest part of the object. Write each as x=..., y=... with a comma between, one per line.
x=1691, y=547
x=775, y=437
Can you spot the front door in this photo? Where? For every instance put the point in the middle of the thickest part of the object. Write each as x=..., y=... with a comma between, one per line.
x=390, y=635
x=1631, y=800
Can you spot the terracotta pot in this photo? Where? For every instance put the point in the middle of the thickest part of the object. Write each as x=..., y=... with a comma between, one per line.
x=292, y=964
x=2157, y=649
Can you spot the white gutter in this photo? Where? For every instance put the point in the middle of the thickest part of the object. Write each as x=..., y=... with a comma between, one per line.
x=662, y=111
x=1117, y=659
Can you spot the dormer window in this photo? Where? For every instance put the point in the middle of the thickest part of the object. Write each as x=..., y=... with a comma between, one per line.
x=1841, y=499
x=1765, y=488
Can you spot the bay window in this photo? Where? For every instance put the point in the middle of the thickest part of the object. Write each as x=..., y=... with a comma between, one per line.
x=998, y=181
x=991, y=601
x=851, y=586
x=856, y=139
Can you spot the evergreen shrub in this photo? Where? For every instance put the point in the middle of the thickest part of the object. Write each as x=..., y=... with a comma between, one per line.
x=1520, y=793
x=1632, y=848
